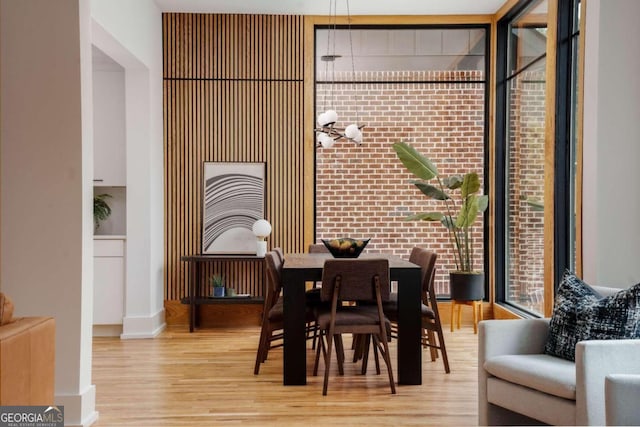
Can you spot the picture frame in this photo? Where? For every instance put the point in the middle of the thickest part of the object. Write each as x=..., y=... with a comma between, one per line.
x=232, y=200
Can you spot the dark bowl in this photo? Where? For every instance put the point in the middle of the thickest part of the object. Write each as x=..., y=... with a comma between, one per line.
x=345, y=247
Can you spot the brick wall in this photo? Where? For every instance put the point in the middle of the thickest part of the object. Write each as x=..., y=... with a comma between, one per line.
x=364, y=191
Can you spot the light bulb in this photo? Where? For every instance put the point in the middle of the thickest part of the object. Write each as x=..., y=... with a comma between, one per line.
x=358, y=138
x=322, y=119
x=351, y=131
x=261, y=228
x=331, y=116
x=326, y=141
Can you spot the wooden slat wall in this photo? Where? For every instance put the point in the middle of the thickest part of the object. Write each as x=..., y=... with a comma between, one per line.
x=233, y=92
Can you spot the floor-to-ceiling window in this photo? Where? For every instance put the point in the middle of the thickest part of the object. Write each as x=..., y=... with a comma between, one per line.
x=525, y=156
x=524, y=161
x=422, y=84
x=568, y=133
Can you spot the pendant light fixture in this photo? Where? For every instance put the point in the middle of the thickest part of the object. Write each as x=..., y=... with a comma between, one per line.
x=328, y=130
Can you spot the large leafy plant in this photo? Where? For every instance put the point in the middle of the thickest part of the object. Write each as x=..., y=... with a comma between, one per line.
x=459, y=214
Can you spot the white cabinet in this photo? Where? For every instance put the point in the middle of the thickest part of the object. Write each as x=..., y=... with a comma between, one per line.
x=108, y=280
x=109, y=128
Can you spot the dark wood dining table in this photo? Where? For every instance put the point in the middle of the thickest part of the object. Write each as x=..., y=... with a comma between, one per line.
x=301, y=268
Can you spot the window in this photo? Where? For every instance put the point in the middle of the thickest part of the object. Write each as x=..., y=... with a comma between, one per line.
x=522, y=155
x=423, y=85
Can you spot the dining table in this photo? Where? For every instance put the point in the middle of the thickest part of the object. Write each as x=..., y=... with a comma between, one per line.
x=298, y=269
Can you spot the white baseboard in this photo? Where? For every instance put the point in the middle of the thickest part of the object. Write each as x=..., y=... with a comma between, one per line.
x=140, y=327
x=79, y=409
x=107, y=330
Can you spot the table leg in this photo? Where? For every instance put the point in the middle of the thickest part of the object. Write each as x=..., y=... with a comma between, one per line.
x=409, y=328
x=295, y=347
x=191, y=290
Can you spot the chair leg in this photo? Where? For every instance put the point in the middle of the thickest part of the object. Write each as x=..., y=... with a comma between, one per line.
x=376, y=345
x=364, y=349
x=315, y=336
x=358, y=346
x=319, y=349
x=262, y=345
x=327, y=363
x=443, y=349
x=339, y=353
x=432, y=348
x=387, y=360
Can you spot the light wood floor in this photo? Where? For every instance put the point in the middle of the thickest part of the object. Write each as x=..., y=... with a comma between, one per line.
x=206, y=379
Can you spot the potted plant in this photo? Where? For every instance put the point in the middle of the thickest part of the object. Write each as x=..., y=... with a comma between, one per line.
x=462, y=206
x=217, y=281
x=101, y=210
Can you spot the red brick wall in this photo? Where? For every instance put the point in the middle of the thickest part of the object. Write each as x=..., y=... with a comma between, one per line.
x=364, y=191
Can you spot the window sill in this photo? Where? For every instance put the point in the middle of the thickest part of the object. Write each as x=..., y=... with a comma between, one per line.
x=508, y=311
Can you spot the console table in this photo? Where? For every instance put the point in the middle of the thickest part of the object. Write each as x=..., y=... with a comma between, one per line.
x=196, y=283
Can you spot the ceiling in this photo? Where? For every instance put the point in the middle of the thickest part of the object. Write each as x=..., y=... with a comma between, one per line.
x=321, y=7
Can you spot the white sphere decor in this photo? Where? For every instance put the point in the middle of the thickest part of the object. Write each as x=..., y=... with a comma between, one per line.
x=331, y=116
x=351, y=131
x=261, y=228
x=326, y=141
x=358, y=137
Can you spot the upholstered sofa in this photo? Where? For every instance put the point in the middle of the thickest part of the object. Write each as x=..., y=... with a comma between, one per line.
x=27, y=361
x=518, y=384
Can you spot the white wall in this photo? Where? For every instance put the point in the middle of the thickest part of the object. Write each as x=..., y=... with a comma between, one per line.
x=46, y=186
x=611, y=195
x=109, y=122
x=131, y=33
x=109, y=139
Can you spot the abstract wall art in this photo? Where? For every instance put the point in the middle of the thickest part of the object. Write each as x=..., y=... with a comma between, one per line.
x=233, y=199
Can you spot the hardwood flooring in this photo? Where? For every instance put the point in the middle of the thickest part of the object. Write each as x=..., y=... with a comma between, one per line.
x=206, y=379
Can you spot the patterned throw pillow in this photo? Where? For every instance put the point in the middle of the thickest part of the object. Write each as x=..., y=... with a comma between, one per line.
x=563, y=327
x=614, y=317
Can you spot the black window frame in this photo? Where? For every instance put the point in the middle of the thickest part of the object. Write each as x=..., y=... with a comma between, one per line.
x=563, y=238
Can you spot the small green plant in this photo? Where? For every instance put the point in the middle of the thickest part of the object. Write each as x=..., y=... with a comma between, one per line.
x=101, y=210
x=217, y=281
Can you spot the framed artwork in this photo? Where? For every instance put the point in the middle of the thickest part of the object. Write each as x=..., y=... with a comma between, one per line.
x=233, y=199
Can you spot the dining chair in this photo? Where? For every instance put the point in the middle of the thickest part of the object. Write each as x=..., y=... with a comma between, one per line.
x=271, y=332
x=431, y=323
x=280, y=254
x=360, y=281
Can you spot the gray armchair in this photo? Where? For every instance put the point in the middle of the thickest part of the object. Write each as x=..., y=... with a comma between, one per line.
x=520, y=385
x=622, y=394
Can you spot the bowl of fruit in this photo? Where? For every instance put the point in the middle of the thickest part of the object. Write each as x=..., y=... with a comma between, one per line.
x=345, y=247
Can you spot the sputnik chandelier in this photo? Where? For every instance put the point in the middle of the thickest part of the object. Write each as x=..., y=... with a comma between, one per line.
x=328, y=132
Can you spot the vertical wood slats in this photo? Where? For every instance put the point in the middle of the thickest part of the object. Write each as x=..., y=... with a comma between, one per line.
x=233, y=92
